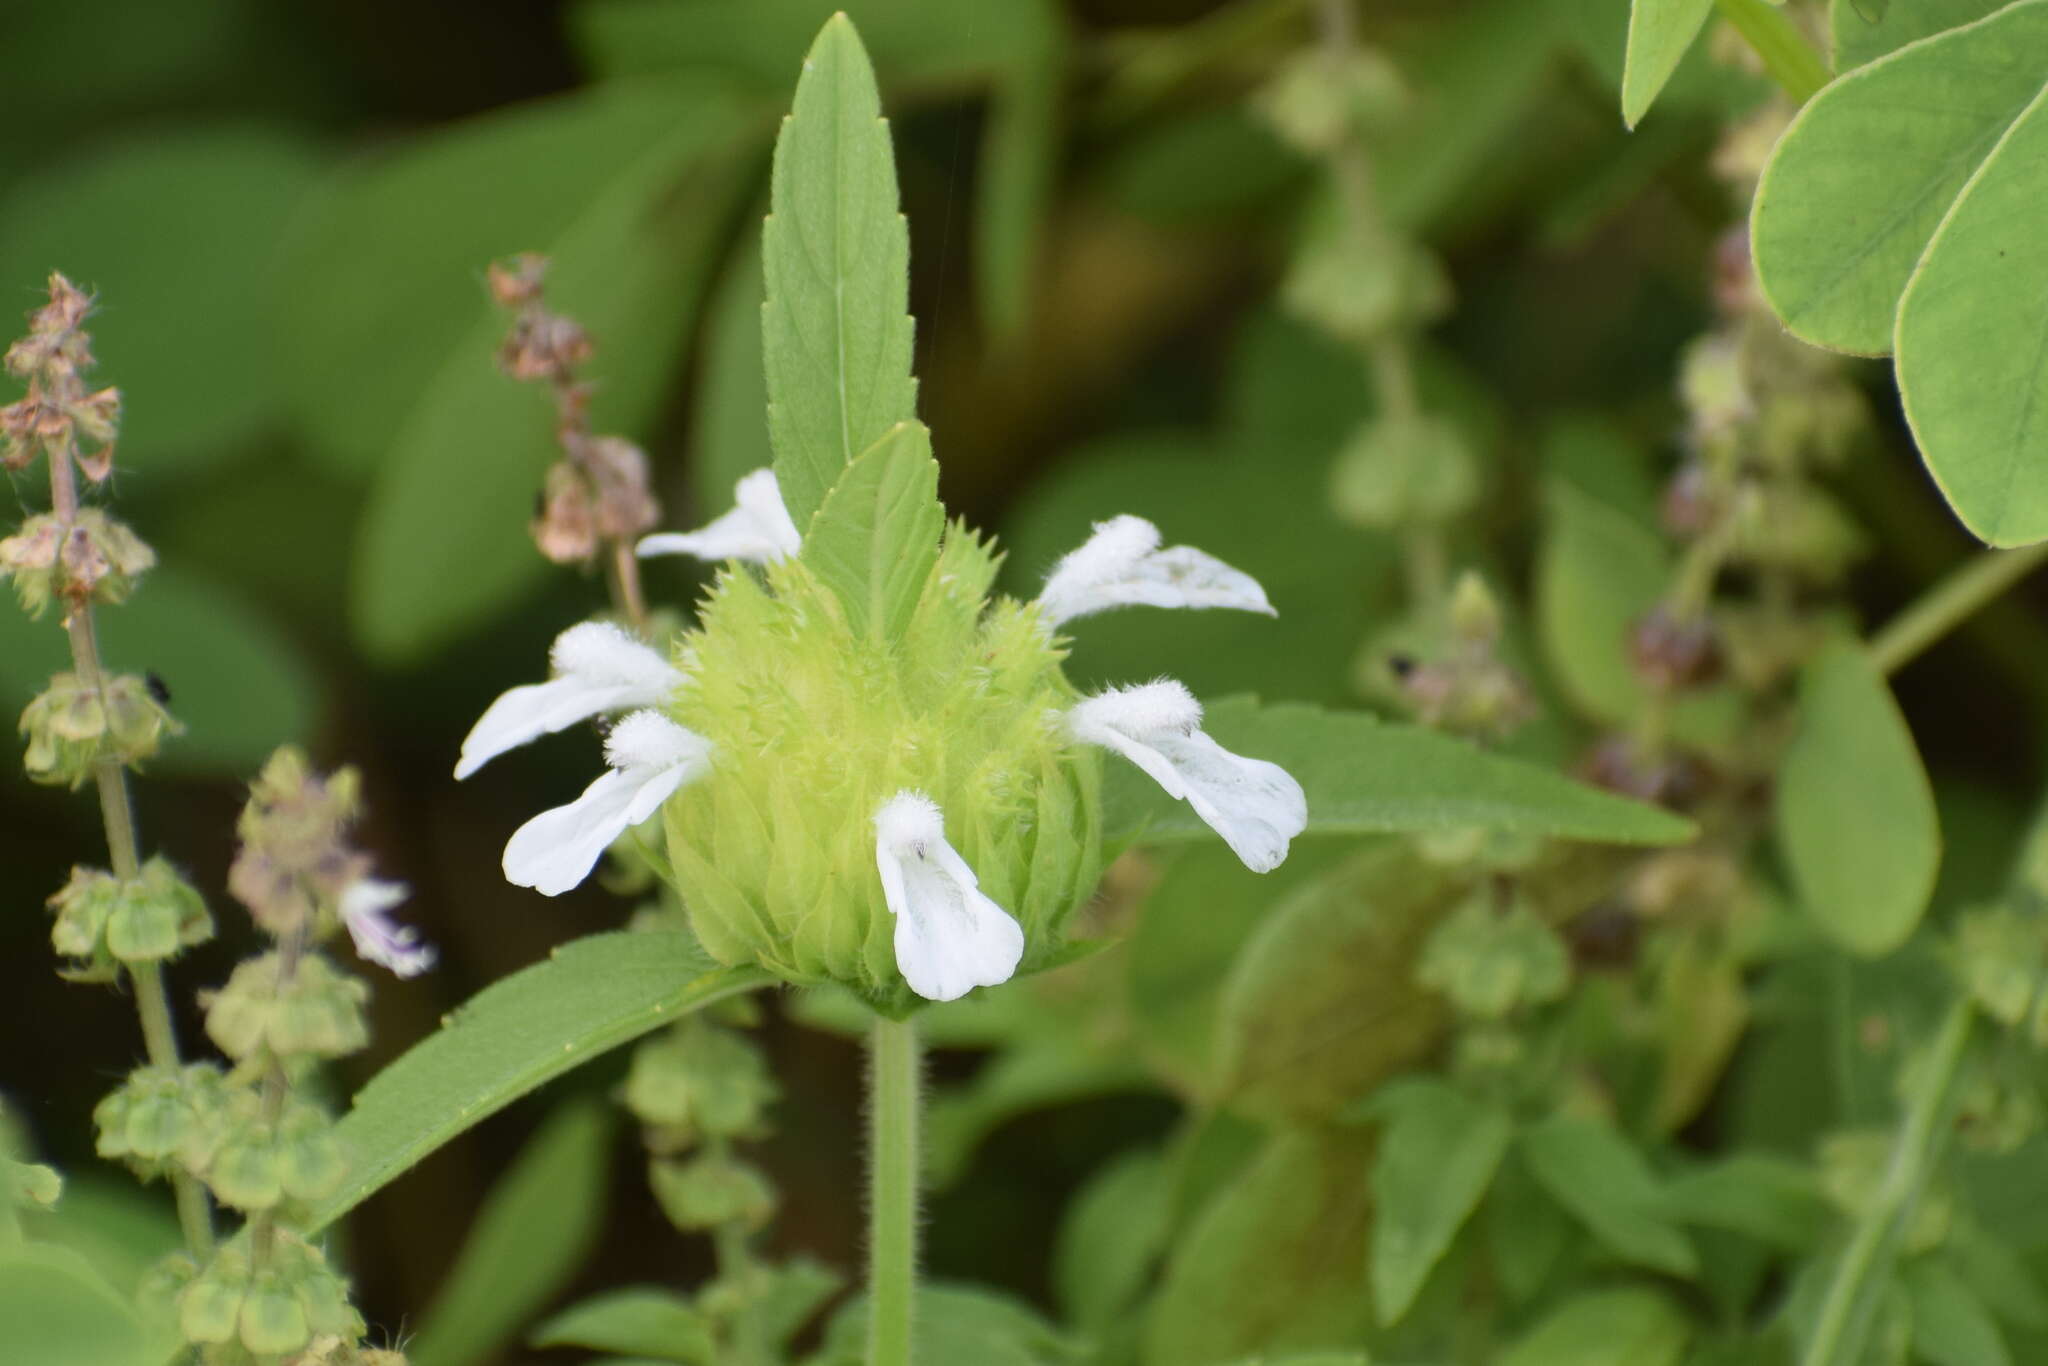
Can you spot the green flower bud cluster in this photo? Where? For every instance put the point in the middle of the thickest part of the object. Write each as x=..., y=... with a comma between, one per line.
x=815, y=729
x=698, y=1088
x=1446, y=668
x=74, y=724
x=1853, y=1167
x=1362, y=286
x=1491, y=959
x=103, y=921
x=1317, y=102
x=164, y=1116
x=312, y=1010
x=1399, y=470
x=93, y=558
x=294, y=861
x=2000, y=957
x=246, y=1308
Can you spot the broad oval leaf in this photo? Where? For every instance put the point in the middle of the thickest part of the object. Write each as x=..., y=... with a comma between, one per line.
x=1855, y=815
x=1867, y=170
x=1865, y=30
x=876, y=536
x=592, y=994
x=1603, y=1180
x=1973, y=339
x=1438, y=1153
x=1111, y=1234
x=529, y=1240
x=1365, y=776
x=639, y=1320
x=56, y=1311
x=1659, y=34
x=836, y=328
x=1622, y=1327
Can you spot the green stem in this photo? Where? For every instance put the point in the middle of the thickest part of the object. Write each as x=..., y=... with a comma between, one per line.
x=892, y=1190
x=1786, y=54
x=1845, y=1314
x=1951, y=601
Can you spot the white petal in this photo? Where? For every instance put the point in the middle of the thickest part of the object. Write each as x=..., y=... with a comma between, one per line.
x=598, y=668
x=758, y=528
x=652, y=756
x=1256, y=806
x=366, y=904
x=950, y=937
x=1121, y=565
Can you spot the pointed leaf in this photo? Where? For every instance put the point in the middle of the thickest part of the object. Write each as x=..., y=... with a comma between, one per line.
x=836, y=328
x=1438, y=1154
x=592, y=994
x=1659, y=32
x=1973, y=339
x=1625, y=1327
x=1365, y=776
x=1864, y=175
x=539, y=1222
x=876, y=537
x=1603, y=1180
x=1855, y=817
x=640, y=1321
x=1951, y=1325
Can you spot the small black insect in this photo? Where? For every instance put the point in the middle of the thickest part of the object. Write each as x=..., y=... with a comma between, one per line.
x=1401, y=665
x=158, y=689
x=540, y=504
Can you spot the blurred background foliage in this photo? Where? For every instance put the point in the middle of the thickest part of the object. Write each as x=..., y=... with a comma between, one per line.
x=287, y=210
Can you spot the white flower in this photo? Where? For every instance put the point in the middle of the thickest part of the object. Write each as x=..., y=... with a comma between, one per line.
x=597, y=668
x=950, y=938
x=366, y=904
x=1121, y=565
x=651, y=756
x=758, y=528
x=1257, y=807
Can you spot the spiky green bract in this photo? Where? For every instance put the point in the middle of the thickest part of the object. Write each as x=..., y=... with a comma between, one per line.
x=816, y=725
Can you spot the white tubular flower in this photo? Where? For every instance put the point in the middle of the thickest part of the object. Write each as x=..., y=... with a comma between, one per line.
x=597, y=667
x=1121, y=565
x=758, y=528
x=950, y=938
x=651, y=756
x=1256, y=806
x=366, y=906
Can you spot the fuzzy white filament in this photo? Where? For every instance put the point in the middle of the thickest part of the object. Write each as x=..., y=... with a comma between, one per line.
x=366, y=906
x=650, y=757
x=1256, y=806
x=950, y=938
x=598, y=668
x=758, y=528
x=1121, y=565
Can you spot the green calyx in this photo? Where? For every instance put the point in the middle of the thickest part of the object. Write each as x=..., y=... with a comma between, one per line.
x=103, y=921
x=315, y=1011
x=817, y=725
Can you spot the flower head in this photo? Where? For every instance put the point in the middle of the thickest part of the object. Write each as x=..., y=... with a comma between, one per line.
x=366, y=906
x=1121, y=565
x=597, y=668
x=758, y=528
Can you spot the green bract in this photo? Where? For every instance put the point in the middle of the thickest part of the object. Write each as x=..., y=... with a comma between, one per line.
x=814, y=728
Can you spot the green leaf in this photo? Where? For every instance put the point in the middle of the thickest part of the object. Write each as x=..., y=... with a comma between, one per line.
x=1322, y=1003
x=1113, y=1232
x=459, y=448
x=1659, y=34
x=1859, y=182
x=1364, y=776
x=1627, y=1327
x=954, y=1323
x=1855, y=815
x=592, y=994
x=176, y=231
x=1865, y=30
x=56, y=1311
x=1058, y=1067
x=1771, y=1199
x=1601, y=1178
x=876, y=537
x=727, y=435
x=1526, y=1232
x=539, y=1222
x=237, y=684
x=1972, y=338
x=1438, y=1153
x=836, y=328
x=1951, y=1325
x=639, y=1320
x=1275, y=1262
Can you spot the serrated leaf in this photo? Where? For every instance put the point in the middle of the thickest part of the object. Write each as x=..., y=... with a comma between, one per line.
x=1859, y=182
x=1438, y=1153
x=1855, y=815
x=836, y=328
x=1973, y=338
x=539, y=1222
x=876, y=536
x=1865, y=30
x=1625, y=1327
x=640, y=1321
x=592, y=994
x=1602, y=1179
x=1659, y=34
x=1365, y=776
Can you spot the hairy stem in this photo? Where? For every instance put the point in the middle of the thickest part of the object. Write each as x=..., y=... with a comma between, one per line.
x=1791, y=60
x=892, y=1190
x=1845, y=1314
x=1950, y=602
